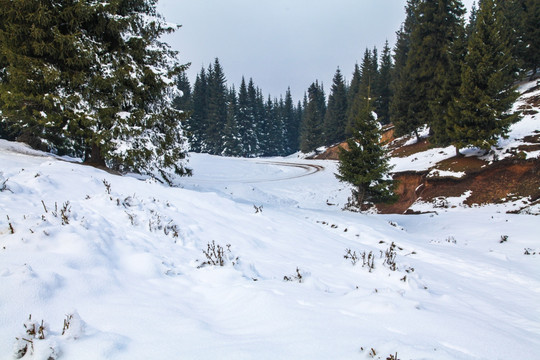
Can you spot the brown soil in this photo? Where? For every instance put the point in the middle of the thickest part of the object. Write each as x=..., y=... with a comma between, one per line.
x=332, y=153
x=503, y=180
x=408, y=150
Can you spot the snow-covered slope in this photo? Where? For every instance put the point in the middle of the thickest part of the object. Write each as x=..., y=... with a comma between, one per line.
x=529, y=125
x=122, y=260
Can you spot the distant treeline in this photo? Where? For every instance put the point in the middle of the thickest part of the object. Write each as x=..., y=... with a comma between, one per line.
x=454, y=75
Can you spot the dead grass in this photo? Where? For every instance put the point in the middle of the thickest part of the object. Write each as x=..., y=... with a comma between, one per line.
x=468, y=165
x=412, y=149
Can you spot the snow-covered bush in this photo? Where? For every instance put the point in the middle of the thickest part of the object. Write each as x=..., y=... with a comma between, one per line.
x=295, y=277
x=217, y=256
x=39, y=342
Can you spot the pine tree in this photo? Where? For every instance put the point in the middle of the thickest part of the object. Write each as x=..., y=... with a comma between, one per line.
x=438, y=25
x=382, y=103
x=471, y=24
x=250, y=135
x=480, y=114
x=312, y=124
x=365, y=163
x=217, y=109
x=274, y=129
x=531, y=36
x=44, y=65
x=93, y=80
x=183, y=100
x=368, y=78
x=352, y=93
x=260, y=124
x=132, y=125
x=401, y=114
x=335, y=119
x=198, y=121
x=265, y=117
x=292, y=122
x=231, y=133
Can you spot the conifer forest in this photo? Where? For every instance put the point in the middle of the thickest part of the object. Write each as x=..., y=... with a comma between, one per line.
x=93, y=80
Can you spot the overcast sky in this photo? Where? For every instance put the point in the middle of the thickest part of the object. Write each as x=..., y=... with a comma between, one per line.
x=281, y=43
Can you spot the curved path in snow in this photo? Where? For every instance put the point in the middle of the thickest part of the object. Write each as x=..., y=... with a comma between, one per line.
x=253, y=177
x=310, y=169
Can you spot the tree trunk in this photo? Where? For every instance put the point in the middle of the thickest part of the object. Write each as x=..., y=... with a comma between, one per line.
x=361, y=192
x=417, y=136
x=93, y=157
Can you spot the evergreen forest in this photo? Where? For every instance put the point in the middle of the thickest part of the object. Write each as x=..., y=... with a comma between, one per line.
x=93, y=80
x=454, y=74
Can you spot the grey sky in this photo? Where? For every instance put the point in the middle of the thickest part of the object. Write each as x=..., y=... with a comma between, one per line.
x=281, y=43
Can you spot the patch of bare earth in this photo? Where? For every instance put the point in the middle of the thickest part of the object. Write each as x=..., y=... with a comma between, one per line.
x=408, y=150
x=496, y=183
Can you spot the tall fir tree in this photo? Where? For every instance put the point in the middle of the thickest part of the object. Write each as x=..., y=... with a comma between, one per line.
x=217, y=108
x=365, y=163
x=198, y=121
x=401, y=114
x=265, y=117
x=292, y=122
x=43, y=71
x=383, y=91
x=274, y=125
x=369, y=76
x=480, y=114
x=471, y=23
x=105, y=80
x=530, y=35
x=335, y=120
x=438, y=26
x=231, y=133
x=250, y=136
x=183, y=100
x=352, y=93
x=312, y=124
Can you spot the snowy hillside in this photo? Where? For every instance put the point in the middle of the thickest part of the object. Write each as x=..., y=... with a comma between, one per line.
x=123, y=262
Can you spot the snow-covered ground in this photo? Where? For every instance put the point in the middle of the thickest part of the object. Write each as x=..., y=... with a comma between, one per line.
x=122, y=260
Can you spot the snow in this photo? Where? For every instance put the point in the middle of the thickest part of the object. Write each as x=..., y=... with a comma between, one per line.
x=422, y=161
x=446, y=173
x=122, y=258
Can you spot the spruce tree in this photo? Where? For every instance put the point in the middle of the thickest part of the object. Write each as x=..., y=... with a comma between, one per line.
x=382, y=102
x=44, y=65
x=369, y=77
x=250, y=135
x=401, y=114
x=471, y=24
x=438, y=25
x=274, y=129
x=352, y=93
x=312, y=124
x=197, y=122
x=217, y=109
x=480, y=114
x=365, y=163
x=265, y=117
x=93, y=80
x=133, y=126
x=243, y=118
x=261, y=125
x=231, y=133
x=292, y=124
x=335, y=119
x=531, y=36
x=183, y=101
